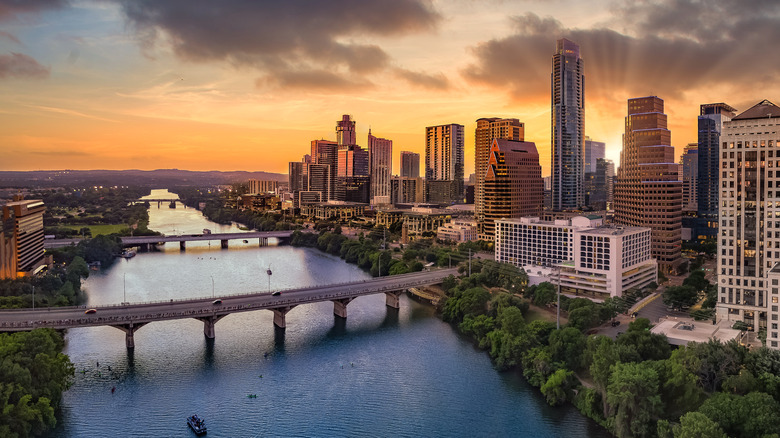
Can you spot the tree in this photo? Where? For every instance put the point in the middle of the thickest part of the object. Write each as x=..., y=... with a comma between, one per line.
x=754, y=415
x=647, y=345
x=511, y=320
x=567, y=346
x=545, y=293
x=698, y=425
x=680, y=297
x=634, y=399
x=558, y=388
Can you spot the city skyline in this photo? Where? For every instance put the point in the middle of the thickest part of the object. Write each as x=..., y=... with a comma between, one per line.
x=148, y=85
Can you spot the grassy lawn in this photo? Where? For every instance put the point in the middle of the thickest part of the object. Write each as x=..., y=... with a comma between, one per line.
x=535, y=313
x=98, y=229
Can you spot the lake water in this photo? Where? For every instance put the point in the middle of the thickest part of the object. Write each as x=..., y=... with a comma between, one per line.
x=380, y=373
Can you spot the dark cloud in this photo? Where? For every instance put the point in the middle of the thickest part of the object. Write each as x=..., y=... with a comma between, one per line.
x=11, y=8
x=433, y=82
x=19, y=65
x=666, y=47
x=289, y=39
x=313, y=80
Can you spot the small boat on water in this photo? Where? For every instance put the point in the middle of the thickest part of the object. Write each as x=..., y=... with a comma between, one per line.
x=172, y=204
x=128, y=254
x=206, y=231
x=197, y=424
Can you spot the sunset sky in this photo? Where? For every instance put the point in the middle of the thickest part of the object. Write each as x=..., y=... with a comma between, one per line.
x=246, y=85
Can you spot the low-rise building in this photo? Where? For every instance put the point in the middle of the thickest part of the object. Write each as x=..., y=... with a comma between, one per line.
x=458, y=230
x=587, y=257
x=258, y=202
x=339, y=210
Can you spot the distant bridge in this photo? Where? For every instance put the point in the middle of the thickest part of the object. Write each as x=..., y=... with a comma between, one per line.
x=147, y=241
x=130, y=317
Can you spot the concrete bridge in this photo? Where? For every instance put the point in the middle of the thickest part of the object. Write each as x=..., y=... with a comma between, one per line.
x=131, y=317
x=147, y=241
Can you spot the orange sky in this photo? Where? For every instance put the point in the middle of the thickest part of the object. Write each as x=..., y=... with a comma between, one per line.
x=235, y=86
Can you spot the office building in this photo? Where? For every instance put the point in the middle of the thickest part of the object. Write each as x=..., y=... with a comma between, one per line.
x=380, y=159
x=513, y=184
x=749, y=229
x=410, y=164
x=600, y=196
x=8, y=262
x=405, y=190
x=648, y=192
x=458, y=230
x=589, y=259
x=593, y=151
x=490, y=128
x=263, y=186
x=690, y=172
x=568, y=126
x=711, y=119
x=345, y=131
x=444, y=158
x=353, y=179
x=326, y=152
x=26, y=218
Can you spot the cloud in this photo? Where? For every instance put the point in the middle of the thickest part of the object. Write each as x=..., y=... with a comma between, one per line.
x=10, y=9
x=292, y=42
x=430, y=81
x=666, y=47
x=19, y=65
x=10, y=37
x=313, y=80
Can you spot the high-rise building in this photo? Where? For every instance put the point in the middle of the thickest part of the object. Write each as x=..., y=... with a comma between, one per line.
x=749, y=243
x=593, y=151
x=345, y=131
x=295, y=180
x=489, y=128
x=647, y=191
x=410, y=164
x=380, y=157
x=26, y=218
x=264, y=186
x=690, y=172
x=406, y=190
x=568, y=126
x=601, y=195
x=444, y=157
x=711, y=119
x=353, y=178
x=8, y=262
x=514, y=187
x=326, y=152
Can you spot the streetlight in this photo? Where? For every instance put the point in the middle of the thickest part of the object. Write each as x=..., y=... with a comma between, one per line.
x=213, y=295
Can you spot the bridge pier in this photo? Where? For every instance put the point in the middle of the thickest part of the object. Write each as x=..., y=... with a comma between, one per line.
x=224, y=243
x=182, y=245
x=129, y=330
x=340, y=307
x=280, y=316
x=263, y=241
x=208, y=324
x=391, y=299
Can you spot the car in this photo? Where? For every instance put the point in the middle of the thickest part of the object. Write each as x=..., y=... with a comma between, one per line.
x=615, y=323
x=276, y=294
x=217, y=302
x=90, y=311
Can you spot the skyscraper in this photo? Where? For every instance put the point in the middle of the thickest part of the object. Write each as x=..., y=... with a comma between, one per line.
x=26, y=219
x=444, y=157
x=380, y=157
x=711, y=119
x=326, y=152
x=647, y=191
x=593, y=151
x=690, y=174
x=353, y=178
x=489, y=128
x=749, y=240
x=345, y=131
x=568, y=126
x=410, y=164
x=513, y=184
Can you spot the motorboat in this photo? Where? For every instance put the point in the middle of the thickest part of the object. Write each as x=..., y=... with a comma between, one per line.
x=197, y=424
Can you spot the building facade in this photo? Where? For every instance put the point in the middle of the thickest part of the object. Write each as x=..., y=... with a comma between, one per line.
x=458, y=230
x=444, y=157
x=568, y=126
x=326, y=152
x=489, y=128
x=406, y=190
x=345, y=131
x=588, y=258
x=711, y=119
x=648, y=192
x=690, y=177
x=410, y=164
x=8, y=260
x=749, y=229
x=513, y=184
x=26, y=217
x=380, y=162
x=262, y=186
x=353, y=178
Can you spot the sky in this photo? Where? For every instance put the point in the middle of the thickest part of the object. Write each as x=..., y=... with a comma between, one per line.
x=247, y=84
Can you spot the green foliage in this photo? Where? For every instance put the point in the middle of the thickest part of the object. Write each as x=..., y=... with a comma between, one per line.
x=647, y=345
x=680, y=297
x=538, y=365
x=544, y=294
x=698, y=425
x=567, y=346
x=713, y=362
x=558, y=387
x=510, y=319
x=33, y=375
x=634, y=399
x=472, y=301
x=754, y=415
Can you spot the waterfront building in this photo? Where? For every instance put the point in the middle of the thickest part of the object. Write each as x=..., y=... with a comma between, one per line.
x=489, y=128
x=444, y=158
x=353, y=178
x=711, y=119
x=588, y=258
x=264, y=186
x=26, y=218
x=513, y=184
x=259, y=202
x=410, y=164
x=458, y=230
x=749, y=229
x=380, y=162
x=338, y=210
x=568, y=126
x=326, y=152
x=8, y=262
x=648, y=192
x=417, y=220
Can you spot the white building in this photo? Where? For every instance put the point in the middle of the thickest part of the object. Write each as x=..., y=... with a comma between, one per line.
x=458, y=230
x=749, y=241
x=595, y=260
x=773, y=296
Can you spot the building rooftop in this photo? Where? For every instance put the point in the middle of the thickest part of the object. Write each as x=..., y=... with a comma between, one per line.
x=684, y=330
x=762, y=110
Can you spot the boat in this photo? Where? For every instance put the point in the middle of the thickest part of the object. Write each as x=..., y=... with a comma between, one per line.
x=246, y=241
x=128, y=254
x=197, y=424
x=206, y=231
x=172, y=204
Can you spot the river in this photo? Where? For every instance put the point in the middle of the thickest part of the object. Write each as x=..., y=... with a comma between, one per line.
x=381, y=372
